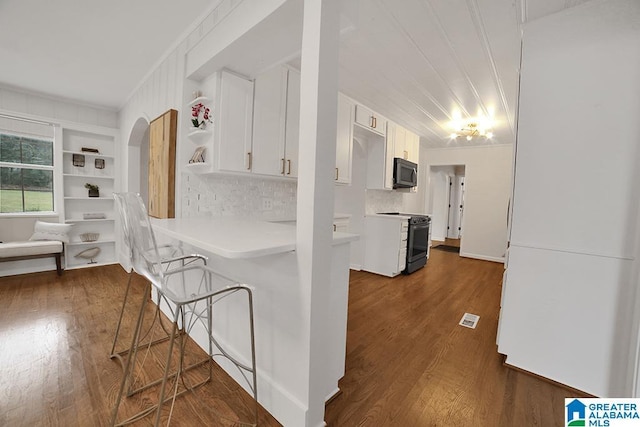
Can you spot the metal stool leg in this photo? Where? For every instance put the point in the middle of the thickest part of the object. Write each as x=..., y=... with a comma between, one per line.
x=168, y=367
x=128, y=365
x=117, y=334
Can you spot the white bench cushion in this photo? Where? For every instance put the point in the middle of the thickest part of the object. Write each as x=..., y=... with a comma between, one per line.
x=40, y=247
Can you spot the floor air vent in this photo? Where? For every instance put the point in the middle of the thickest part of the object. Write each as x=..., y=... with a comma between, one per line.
x=469, y=320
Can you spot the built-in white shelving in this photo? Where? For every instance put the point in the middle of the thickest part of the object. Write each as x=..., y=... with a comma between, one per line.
x=97, y=168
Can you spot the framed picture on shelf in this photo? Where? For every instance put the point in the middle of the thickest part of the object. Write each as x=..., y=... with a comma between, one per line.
x=78, y=160
x=198, y=155
x=99, y=163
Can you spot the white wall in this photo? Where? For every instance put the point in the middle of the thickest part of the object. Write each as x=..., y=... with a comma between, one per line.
x=572, y=275
x=487, y=193
x=67, y=114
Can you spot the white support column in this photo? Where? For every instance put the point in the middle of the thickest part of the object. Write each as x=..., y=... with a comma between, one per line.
x=318, y=110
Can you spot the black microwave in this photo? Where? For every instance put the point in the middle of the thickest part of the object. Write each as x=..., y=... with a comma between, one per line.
x=405, y=173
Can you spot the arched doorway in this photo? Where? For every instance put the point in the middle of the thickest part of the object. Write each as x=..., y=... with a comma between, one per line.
x=138, y=158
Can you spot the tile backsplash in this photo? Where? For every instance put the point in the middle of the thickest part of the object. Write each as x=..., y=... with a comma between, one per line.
x=382, y=201
x=229, y=195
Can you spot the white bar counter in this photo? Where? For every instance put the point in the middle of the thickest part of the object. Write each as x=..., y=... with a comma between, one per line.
x=262, y=255
x=236, y=237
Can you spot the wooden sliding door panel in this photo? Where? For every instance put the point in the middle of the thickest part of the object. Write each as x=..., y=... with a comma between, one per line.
x=162, y=163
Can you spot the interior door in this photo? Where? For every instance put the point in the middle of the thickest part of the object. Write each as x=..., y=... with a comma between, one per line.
x=456, y=207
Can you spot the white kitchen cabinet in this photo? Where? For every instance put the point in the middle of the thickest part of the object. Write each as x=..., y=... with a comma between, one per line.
x=370, y=120
x=379, y=160
x=341, y=225
x=406, y=144
x=269, y=109
x=233, y=128
x=344, y=140
x=93, y=218
x=385, y=242
x=292, y=125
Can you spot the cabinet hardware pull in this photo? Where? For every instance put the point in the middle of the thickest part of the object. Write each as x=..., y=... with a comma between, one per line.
x=375, y=123
x=336, y=174
x=371, y=121
x=282, y=167
x=249, y=154
x=334, y=227
x=289, y=165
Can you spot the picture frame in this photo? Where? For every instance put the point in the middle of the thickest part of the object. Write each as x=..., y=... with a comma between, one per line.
x=198, y=155
x=78, y=160
x=99, y=163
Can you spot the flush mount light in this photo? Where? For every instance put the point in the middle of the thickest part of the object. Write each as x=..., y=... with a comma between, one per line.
x=473, y=128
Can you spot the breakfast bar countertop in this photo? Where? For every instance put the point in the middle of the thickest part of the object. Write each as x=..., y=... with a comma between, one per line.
x=232, y=237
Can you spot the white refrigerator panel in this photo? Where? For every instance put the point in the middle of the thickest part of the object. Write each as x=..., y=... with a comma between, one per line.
x=563, y=316
x=576, y=180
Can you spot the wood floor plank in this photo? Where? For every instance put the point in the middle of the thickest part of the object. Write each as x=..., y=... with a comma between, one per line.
x=408, y=361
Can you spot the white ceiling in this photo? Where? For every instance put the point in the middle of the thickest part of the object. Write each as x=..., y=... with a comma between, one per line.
x=421, y=62
x=95, y=52
x=418, y=62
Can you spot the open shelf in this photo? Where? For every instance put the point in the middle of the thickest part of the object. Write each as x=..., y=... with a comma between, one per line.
x=199, y=135
x=89, y=154
x=201, y=99
x=99, y=169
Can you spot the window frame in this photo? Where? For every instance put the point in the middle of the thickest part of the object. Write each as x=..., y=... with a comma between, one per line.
x=33, y=166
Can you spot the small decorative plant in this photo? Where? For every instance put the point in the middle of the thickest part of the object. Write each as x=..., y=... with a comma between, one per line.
x=94, y=190
x=198, y=110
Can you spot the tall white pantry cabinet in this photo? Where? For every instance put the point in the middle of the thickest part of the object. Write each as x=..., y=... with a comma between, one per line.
x=93, y=218
x=571, y=279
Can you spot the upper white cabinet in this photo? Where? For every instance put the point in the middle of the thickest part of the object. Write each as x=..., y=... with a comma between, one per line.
x=344, y=140
x=370, y=120
x=222, y=143
x=233, y=127
x=292, y=125
x=405, y=143
x=269, y=117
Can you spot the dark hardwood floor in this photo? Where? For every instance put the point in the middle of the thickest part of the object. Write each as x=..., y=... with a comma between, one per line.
x=409, y=363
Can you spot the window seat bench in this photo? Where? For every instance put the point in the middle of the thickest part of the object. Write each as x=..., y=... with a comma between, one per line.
x=16, y=251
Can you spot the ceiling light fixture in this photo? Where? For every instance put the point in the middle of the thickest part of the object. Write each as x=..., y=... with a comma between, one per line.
x=473, y=128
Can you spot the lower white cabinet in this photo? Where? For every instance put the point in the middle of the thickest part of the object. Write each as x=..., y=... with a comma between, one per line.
x=385, y=242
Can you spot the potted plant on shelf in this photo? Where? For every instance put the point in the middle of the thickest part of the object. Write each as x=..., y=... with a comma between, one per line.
x=198, y=110
x=94, y=190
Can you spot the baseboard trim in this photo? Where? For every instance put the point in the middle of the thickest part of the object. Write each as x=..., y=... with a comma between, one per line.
x=482, y=257
x=576, y=392
x=356, y=267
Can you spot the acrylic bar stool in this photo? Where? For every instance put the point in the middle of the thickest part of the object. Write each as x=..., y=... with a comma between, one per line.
x=192, y=292
x=170, y=255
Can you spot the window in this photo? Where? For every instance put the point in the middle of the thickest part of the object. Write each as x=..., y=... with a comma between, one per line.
x=26, y=173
